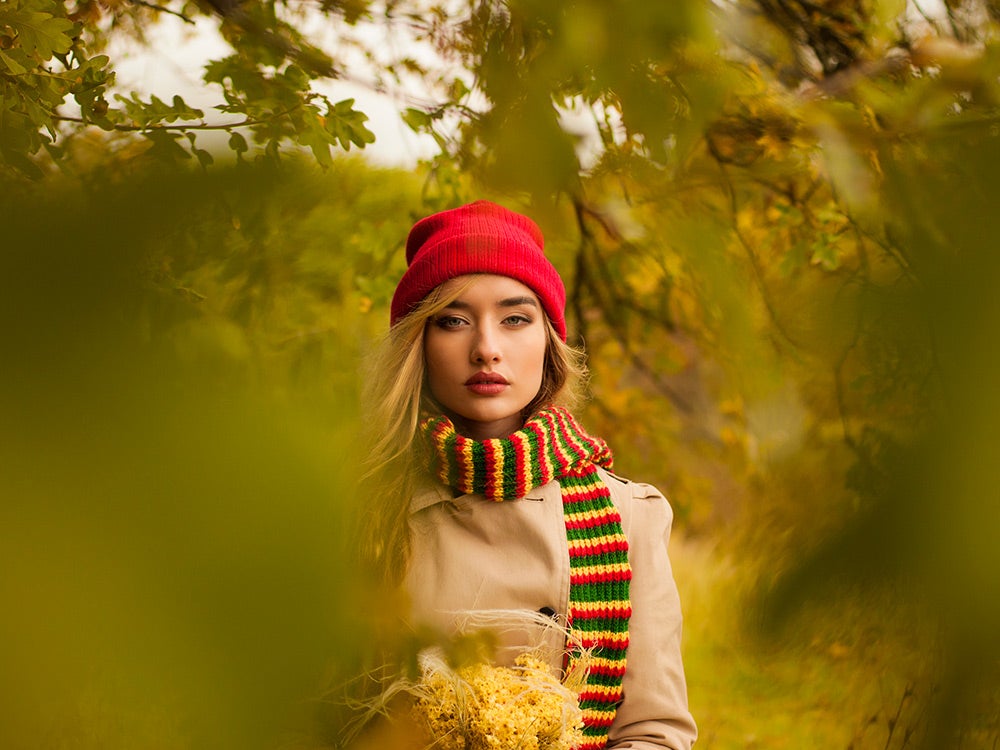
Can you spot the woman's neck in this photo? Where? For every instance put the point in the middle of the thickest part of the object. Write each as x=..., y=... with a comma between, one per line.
x=475, y=430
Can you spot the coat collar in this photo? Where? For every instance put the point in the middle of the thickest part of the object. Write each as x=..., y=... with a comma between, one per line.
x=431, y=493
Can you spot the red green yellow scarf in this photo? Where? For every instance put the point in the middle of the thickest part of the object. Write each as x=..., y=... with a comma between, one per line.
x=552, y=445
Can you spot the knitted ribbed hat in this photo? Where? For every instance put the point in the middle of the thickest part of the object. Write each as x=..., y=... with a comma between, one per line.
x=480, y=237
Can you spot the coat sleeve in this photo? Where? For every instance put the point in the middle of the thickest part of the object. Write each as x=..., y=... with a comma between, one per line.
x=654, y=712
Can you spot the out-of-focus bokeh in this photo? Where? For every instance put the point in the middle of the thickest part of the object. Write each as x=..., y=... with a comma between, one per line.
x=776, y=224
x=173, y=526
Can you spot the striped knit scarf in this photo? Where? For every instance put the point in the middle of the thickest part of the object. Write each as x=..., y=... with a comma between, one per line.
x=551, y=445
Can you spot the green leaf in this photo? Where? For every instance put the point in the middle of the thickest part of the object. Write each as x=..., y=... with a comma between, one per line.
x=240, y=79
x=238, y=143
x=157, y=110
x=96, y=112
x=39, y=34
x=11, y=64
x=204, y=157
x=318, y=140
x=297, y=78
x=181, y=111
x=347, y=125
x=416, y=119
x=165, y=146
x=794, y=259
x=94, y=63
x=826, y=253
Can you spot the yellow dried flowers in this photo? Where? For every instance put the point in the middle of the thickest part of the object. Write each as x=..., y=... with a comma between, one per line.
x=453, y=696
x=487, y=707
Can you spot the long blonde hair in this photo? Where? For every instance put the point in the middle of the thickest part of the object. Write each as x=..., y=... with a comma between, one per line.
x=394, y=398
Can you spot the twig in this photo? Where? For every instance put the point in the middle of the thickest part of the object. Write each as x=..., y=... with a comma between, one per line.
x=838, y=388
x=894, y=721
x=758, y=272
x=248, y=122
x=931, y=20
x=189, y=293
x=162, y=9
x=621, y=336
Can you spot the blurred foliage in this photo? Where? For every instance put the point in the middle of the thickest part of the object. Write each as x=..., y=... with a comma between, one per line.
x=174, y=528
x=774, y=218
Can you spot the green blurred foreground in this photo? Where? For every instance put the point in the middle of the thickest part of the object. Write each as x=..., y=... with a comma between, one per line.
x=177, y=389
x=781, y=252
x=171, y=536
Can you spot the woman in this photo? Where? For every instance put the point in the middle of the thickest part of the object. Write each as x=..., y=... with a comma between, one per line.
x=465, y=402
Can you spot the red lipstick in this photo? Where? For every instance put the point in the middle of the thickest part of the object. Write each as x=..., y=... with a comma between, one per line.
x=486, y=383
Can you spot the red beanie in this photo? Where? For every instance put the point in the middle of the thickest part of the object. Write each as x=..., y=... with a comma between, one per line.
x=480, y=237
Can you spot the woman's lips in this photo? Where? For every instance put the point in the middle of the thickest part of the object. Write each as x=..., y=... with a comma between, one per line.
x=486, y=383
x=486, y=389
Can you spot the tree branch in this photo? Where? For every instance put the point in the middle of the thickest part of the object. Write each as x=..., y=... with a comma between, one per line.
x=162, y=9
x=927, y=17
x=248, y=122
x=620, y=334
x=758, y=272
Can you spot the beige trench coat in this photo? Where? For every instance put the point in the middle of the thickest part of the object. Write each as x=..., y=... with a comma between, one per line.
x=469, y=553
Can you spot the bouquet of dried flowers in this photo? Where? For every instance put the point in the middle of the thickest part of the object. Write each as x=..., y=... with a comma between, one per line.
x=488, y=707
x=479, y=705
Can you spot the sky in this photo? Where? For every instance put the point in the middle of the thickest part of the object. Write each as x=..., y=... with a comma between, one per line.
x=173, y=63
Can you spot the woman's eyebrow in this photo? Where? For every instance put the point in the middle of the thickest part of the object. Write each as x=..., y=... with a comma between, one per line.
x=515, y=301
x=459, y=304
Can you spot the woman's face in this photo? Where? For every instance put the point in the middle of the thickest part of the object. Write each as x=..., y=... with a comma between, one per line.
x=485, y=353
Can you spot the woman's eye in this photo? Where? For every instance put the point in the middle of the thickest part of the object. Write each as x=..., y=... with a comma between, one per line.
x=448, y=322
x=517, y=320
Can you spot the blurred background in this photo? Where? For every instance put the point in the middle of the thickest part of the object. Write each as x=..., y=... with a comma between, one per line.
x=776, y=220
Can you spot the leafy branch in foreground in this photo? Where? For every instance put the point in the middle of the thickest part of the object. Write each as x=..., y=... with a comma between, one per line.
x=48, y=65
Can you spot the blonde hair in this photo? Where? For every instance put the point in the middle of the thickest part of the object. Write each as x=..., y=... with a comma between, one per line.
x=394, y=398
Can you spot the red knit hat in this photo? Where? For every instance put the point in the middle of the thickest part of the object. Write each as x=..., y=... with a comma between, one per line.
x=480, y=237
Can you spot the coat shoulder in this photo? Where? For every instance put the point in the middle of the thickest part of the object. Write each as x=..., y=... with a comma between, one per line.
x=637, y=502
x=624, y=488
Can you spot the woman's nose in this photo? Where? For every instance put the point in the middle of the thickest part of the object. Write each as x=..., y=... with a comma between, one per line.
x=486, y=348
